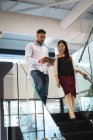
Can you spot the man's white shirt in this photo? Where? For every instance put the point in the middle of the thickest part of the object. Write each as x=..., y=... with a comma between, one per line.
x=33, y=53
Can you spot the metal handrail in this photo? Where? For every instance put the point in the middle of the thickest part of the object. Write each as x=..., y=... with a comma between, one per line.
x=85, y=44
x=89, y=79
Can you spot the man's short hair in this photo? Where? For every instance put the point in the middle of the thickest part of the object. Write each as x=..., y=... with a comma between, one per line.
x=40, y=31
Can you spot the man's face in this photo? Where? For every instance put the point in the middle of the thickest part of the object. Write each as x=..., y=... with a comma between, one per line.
x=41, y=37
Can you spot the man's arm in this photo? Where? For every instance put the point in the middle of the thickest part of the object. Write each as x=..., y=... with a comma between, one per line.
x=28, y=55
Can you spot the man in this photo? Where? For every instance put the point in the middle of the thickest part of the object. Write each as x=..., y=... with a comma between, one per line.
x=36, y=54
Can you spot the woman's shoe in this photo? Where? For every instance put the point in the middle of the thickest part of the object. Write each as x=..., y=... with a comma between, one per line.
x=73, y=119
x=70, y=116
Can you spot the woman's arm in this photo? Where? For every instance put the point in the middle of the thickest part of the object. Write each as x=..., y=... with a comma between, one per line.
x=81, y=72
x=76, y=69
x=56, y=71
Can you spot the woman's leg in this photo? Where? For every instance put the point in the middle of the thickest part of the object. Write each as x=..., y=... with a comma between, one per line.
x=73, y=100
x=69, y=102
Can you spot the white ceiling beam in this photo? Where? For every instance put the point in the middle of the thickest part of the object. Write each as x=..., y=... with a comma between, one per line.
x=57, y=2
x=52, y=2
x=30, y=2
x=78, y=10
x=47, y=5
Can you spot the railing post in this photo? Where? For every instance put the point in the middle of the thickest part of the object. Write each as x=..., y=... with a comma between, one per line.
x=61, y=105
x=18, y=92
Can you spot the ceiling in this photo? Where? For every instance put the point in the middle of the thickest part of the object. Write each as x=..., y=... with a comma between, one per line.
x=57, y=9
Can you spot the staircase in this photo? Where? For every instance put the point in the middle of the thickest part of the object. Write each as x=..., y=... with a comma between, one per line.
x=81, y=129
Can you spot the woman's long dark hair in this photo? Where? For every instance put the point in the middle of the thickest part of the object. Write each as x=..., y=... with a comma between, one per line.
x=67, y=55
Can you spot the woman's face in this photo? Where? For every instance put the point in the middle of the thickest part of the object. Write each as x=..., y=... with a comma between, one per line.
x=61, y=48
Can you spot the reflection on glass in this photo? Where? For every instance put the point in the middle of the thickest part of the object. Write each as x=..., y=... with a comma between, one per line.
x=27, y=123
x=26, y=136
x=87, y=103
x=32, y=135
x=40, y=135
x=53, y=105
x=85, y=61
x=82, y=88
x=82, y=104
x=6, y=121
x=23, y=107
x=14, y=107
x=65, y=106
x=39, y=107
x=40, y=122
x=32, y=123
x=31, y=105
x=50, y=126
x=6, y=111
x=27, y=112
x=26, y=107
x=14, y=120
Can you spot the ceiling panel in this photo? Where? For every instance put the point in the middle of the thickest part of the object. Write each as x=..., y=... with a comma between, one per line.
x=68, y=6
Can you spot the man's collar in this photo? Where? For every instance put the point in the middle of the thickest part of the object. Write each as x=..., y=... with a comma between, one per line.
x=37, y=43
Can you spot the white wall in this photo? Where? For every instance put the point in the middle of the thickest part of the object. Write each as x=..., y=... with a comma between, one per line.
x=27, y=24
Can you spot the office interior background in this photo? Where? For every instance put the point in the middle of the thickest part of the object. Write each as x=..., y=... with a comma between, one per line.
x=23, y=116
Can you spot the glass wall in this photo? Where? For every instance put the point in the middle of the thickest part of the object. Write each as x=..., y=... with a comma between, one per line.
x=85, y=63
x=25, y=108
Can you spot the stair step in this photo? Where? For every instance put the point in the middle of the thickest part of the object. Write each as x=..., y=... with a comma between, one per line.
x=64, y=117
x=81, y=125
x=60, y=117
x=81, y=129
x=90, y=115
x=84, y=135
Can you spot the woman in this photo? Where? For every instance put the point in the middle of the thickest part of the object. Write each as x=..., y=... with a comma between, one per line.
x=65, y=76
